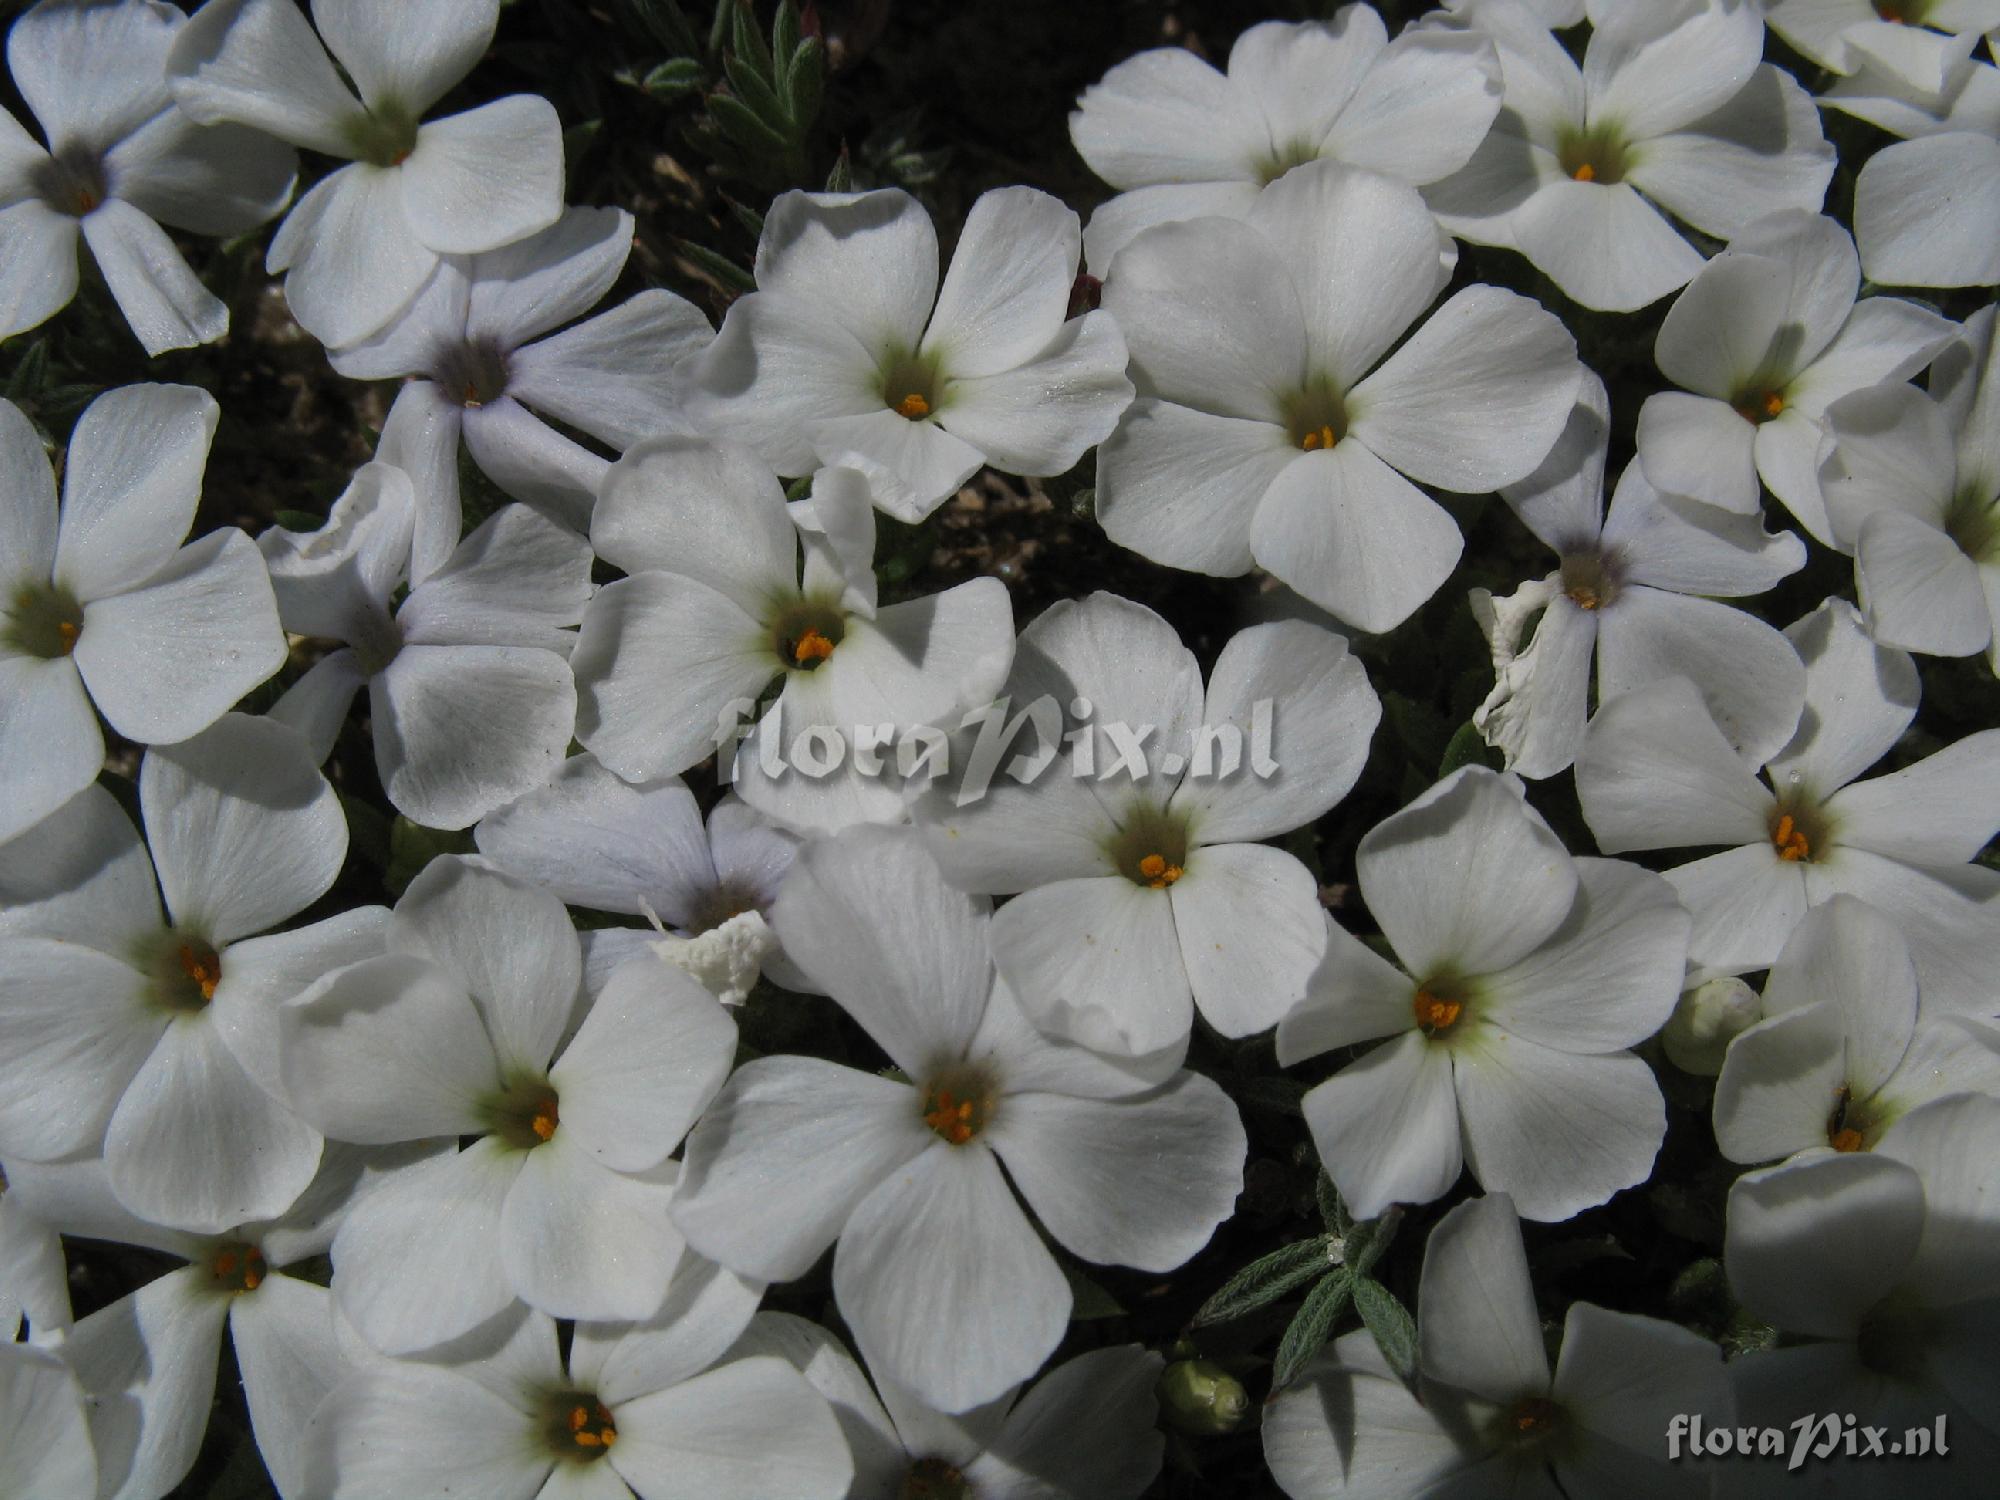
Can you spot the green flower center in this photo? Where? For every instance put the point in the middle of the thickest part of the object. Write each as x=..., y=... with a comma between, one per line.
x=44, y=619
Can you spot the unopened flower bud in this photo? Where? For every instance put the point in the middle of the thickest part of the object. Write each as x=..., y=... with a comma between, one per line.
x=1708, y=1018
x=1201, y=1398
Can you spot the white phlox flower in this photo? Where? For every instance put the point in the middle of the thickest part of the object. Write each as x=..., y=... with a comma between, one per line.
x=640, y=850
x=1844, y=1051
x=101, y=606
x=1655, y=773
x=1924, y=46
x=471, y=701
x=484, y=365
x=1913, y=491
x=120, y=160
x=717, y=607
x=850, y=353
x=1924, y=210
x=138, y=1008
x=1183, y=140
x=148, y=1362
x=1526, y=975
x=1963, y=96
x=1084, y=1431
x=657, y=1409
x=1638, y=590
x=1764, y=339
x=471, y=1026
x=1276, y=428
x=1488, y=1419
x=1881, y=1270
x=1671, y=109
x=359, y=245
x=1144, y=892
x=946, y=1285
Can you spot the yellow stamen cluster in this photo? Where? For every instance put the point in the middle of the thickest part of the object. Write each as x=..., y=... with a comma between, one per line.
x=1436, y=1014
x=238, y=1268
x=544, y=1120
x=813, y=645
x=1790, y=841
x=68, y=633
x=950, y=1118
x=591, y=1427
x=1322, y=436
x=204, y=968
x=1847, y=1138
x=914, y=406
x=1760, y=406
x=1159, y=874
x=1533, y=1415
x=1584, y=172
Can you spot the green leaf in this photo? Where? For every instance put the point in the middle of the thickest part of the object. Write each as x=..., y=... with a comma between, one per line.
x=1368, y=1240
x=1088, y=1300
x=1310, y=1328
x=413, y=846
x=841, y=178
x=676, y=78
x=1467, y=747
x=667, y=24
x=746, y=127
x=1264, y=1280
x=785, y=29
x=1394, y=1329
x=805, y=81
x=297, y=520
x=747, y=40
x=760, y=94
x=32, y=371
x=1332, y=1212
x=1282, y=1096
x=721, y=269
x=749, y=218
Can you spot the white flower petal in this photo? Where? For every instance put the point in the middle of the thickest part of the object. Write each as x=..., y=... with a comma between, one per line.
x=712, y=512
x=1940, y=811
x=1097, y=961
x=870, y=259
x=81, y=875
x=1422, y=109
x=130, y=485
x=1734, y=322
x=944, y=1283
x=1346, y=531
x=1673, y=544
x=1813, y=1246
x=75, y=1026
x=913, y=466
x=1623, y=1379
x=45, y=1446
x=1167, y=116
x=1609, y=976
x=1655, y=772
x=616, y=376
x=147, y=1367
x=290, y=1357
x=417, y=1260
x=749, y=1428
x=405, y=59
x=1356, y=996
x=1860, y=697
x=351, y=259
x=1653, y=74
x=1091, y=1419
x=161, y=298
x=1780, y=1082
x=1386, y=1126
x=385, y=1432
x=388, y=1049
x=1558, y=1132
x=1358, y=248
x=1699, y=448
x=1212, y=317
x=657, y=660
x=1007, y=291
x=533, y=462
x=1359, y=1434
x=1182, y=487
x=258, y=62
x=1466, y=878
x=871, y=921
x=50, y=745
x=1310, y=680
x=1251, y=932
x=1562, y=501
x=1480, y=1330
x=195, y=1144
x=782, y=1157
x=484, y=178
x=459, y=730
x=508, y=942
x=1922, y=209
x=1603, y=244
x=1041, y=416
x=649, y=1056
x=1138, y=1181
x=581, y=1241
x=40, y=274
